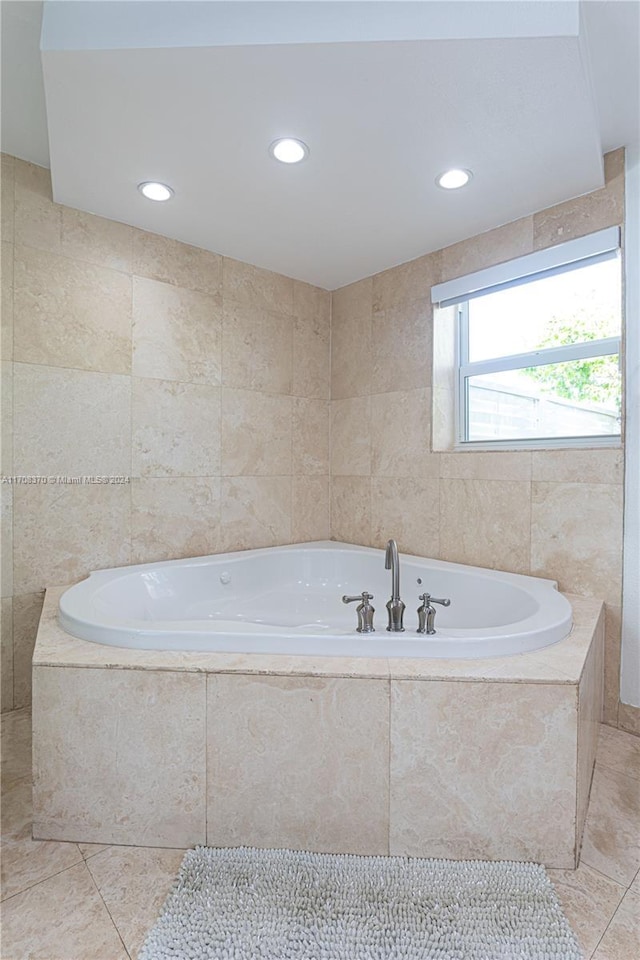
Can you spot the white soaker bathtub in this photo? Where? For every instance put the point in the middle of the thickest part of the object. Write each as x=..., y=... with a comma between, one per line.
x=289, y=600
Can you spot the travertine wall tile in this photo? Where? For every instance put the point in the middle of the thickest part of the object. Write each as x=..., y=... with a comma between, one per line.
x=74, y=280
x=26, y=616
x=70, y=314
x=177, y=333
x=351, y=509
x=487, y=517
x=173, y=517
x=401, y=338
x=407, y=509
x=629, y=718
x=499, y=465
x=160, y=258
x=351, y=344
x=257, y=348
x=7, y=198
x=586, y=214
x=351, y=347
x=38, y=220
x=486, y=523
x=62, y=532
x=408, y=281
x=6, y=305
x=6, y=539
x=255, y=512
x=311, y=509
x=351, y=437
x=94, y=405
x=612, y=652
x=91, y=238
x=576, y=537
x=579, y=466
x=256, y=287
x=175, y=429
x=311, y=434
x=311, y=341
x=119, y=755
x=97, y=301
x=298, y=762
x=6, y=654
x=6, y=413
x=255, y=434
x=400, y=429
x=512, y=240
x=354, y=300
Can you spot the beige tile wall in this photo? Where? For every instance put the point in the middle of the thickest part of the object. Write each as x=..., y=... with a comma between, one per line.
x=554, y=514
x=209, y=381
x=203, y=379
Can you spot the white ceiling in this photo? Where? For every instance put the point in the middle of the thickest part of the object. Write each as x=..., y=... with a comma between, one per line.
x=528, y=95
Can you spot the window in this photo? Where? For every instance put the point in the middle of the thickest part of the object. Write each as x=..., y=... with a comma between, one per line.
x=538, y=346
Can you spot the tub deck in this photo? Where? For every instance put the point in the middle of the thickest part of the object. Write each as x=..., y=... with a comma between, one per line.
x=488, y=758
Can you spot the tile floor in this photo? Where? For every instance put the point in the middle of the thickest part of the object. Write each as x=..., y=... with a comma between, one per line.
x=68, y=901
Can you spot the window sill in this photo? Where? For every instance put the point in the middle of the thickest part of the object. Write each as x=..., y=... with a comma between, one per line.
x=562, y=443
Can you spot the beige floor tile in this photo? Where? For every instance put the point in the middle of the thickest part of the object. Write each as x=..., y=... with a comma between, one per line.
x=28, y=862
x=54, y=911
x=612, y=832
x=63, y=918
x=134, y=882
x=619, y=751
x=90, y=849
x=622, y=937
x=589, y=900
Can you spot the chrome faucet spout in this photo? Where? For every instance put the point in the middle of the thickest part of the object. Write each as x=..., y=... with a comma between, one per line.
x=395, y=606
x=391, y=563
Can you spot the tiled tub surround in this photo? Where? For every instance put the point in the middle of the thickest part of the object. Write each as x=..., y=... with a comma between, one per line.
x=483, y=758
x=199, y=332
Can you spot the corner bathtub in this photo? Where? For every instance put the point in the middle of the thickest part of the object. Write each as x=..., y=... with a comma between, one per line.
x=288, y=600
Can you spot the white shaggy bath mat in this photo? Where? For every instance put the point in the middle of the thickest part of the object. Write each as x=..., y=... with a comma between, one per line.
x=248, y=904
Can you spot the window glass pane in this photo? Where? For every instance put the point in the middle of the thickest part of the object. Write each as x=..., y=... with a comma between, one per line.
x=579, y=398
x=582, y=304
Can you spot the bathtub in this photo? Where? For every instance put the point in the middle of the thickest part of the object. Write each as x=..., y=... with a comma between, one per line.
x=288, y=600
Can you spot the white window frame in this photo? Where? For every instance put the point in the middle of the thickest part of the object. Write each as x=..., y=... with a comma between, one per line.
x=594, y=248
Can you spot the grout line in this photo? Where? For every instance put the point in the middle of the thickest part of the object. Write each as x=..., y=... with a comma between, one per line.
x=50, y=876
x=609, y=922
x=115, y=926
x=206, y=759
x=389, y=765
x=583, y=863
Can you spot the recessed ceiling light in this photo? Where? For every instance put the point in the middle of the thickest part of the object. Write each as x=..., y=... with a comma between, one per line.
x=453, y=179
x=288, y=150
x=153, y=190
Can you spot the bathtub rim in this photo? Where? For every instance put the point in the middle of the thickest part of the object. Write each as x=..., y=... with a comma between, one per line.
x=550, y=623
x=561, y=662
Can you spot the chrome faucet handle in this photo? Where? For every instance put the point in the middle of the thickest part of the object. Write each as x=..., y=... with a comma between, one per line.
x=427, y=613
x=364, y=610
x=429, y=599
